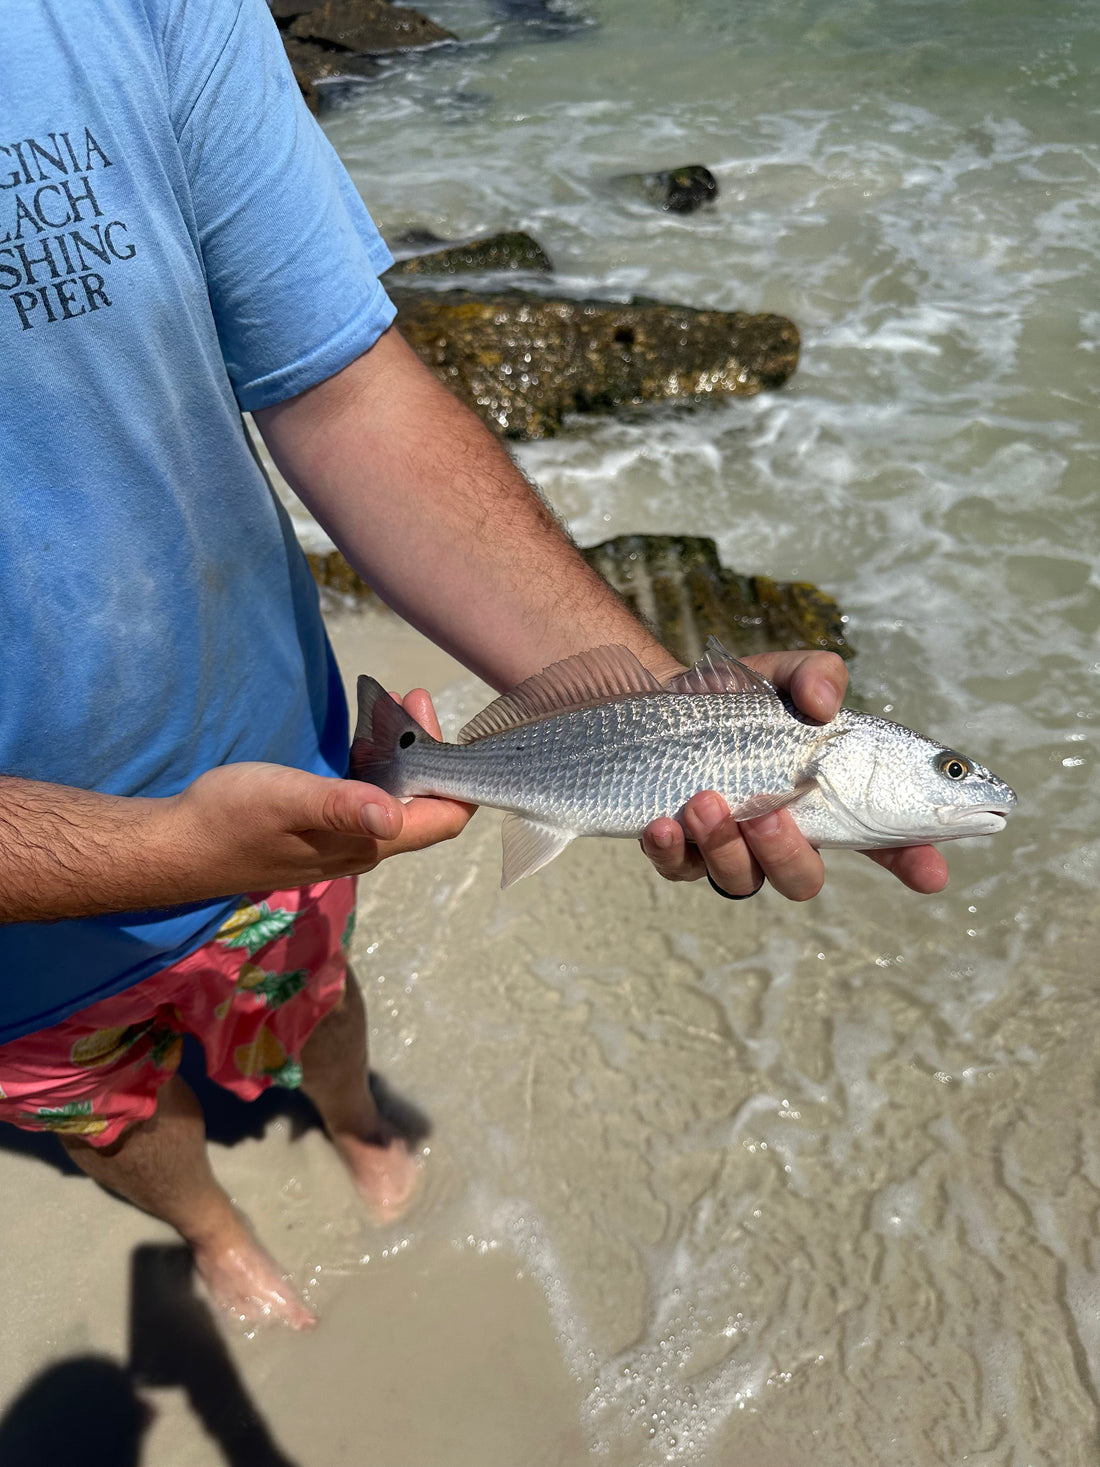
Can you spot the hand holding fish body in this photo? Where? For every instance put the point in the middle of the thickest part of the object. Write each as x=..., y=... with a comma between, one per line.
x=595, y=745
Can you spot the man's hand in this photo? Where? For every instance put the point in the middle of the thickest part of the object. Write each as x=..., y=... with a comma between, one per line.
x=740, y=856
x=68, y=852
x=265, y=826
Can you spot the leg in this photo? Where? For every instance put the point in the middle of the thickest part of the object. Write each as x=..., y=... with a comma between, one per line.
x=161, y=1166
x=335, y=1077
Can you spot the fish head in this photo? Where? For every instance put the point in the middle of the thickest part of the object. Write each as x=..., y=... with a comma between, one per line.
x=890, y=786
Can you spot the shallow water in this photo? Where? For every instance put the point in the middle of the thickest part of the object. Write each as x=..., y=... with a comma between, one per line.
x=813, y=1183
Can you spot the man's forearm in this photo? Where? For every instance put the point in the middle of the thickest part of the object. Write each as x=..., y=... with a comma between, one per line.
x=240, y=827
x=72, y=853
x=433, y=513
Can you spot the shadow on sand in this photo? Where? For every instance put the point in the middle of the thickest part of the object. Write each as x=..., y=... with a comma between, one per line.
x=90, y=1407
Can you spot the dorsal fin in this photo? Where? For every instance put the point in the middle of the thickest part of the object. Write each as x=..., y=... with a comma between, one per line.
x=718, y=672
x=597, y=676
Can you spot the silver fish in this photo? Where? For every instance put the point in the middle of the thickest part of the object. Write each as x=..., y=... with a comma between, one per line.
x=595, y=745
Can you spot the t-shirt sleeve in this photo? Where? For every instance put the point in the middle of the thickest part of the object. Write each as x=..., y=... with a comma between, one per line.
x=292, y=257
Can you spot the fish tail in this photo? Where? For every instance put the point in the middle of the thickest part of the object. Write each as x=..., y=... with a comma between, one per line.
x=383, y=730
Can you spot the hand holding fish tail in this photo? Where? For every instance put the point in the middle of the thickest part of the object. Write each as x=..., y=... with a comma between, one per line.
x=257, y=826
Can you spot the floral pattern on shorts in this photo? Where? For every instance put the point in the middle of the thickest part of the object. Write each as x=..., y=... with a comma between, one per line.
x=252, y=995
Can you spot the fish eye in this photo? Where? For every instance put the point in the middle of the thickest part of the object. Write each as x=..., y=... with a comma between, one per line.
x=953, y=765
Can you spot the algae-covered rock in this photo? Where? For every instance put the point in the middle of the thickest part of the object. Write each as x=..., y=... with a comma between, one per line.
x=522, y=360
x=370, y=26
x=509, y=250
x=680, y=190
x=677, y=584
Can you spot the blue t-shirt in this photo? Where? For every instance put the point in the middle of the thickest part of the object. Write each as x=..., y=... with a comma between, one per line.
x=178, y=242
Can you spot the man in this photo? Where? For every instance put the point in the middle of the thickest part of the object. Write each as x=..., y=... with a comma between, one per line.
x=178, y=242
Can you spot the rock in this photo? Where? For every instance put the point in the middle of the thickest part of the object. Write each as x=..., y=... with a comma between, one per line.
x=511, y=250
x=680, y=190
x=543, y=18
x=370, y=26
x=309, y=92
x=318, y=63
x=677, y=584
x=418, y=238
x=285, y=11
x=522, y=360
x=332, y=571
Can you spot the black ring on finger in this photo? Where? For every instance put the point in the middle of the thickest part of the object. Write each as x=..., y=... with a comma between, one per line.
x=732, y=896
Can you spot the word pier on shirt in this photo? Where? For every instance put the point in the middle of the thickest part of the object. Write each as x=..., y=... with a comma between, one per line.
x=50, y=268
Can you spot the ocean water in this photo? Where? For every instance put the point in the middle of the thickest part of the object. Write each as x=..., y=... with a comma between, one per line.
x=816, y=1183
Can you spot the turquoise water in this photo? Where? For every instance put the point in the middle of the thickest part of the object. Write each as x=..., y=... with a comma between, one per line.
x=857, y=1223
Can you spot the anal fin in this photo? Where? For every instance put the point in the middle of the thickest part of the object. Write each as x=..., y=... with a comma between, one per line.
x=529, y=845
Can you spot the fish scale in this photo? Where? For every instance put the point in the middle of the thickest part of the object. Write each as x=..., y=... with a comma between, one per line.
x=596, y=746
x=612, y=768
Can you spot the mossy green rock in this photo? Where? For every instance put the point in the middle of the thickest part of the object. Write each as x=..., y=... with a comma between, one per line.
x=677, y=585
x=522, y=361
x=510, y=250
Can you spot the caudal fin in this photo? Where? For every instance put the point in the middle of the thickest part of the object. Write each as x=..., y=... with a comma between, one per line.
x=382, y=731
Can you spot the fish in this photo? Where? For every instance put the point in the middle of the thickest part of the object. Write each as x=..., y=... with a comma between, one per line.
x=597, y=745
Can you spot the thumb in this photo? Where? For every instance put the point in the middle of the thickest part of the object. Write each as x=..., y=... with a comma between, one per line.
x=353, y=808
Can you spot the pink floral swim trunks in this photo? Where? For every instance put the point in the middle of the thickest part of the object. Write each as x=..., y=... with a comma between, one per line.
x=252, y=995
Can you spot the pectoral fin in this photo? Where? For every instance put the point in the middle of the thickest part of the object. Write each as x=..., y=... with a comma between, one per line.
x=529, y=845
x=765, y=804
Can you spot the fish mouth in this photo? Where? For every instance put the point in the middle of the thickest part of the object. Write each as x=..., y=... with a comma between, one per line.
x=973, y=822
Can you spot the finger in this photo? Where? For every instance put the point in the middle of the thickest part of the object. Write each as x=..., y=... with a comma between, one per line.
x=718, y=836
x=921, y=868
x=815, y=681
x=348, y=806
x=664, y=842
x=419, y=704
x=427, y=821
x=786, y=857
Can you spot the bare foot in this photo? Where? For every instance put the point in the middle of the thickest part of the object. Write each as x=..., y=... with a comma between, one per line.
x=244, y=1279
x=385, y=1172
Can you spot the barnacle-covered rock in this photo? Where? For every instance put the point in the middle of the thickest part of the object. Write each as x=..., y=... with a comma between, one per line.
x=522, y=360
